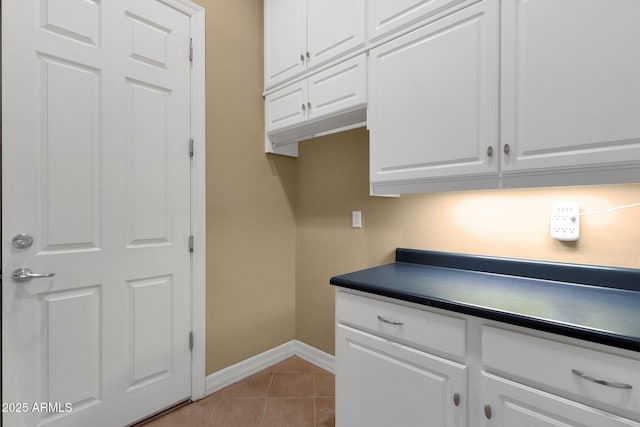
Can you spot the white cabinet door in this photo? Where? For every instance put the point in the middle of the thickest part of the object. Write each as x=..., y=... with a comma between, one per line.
x=286, y=107
x=285, y=40
x=381, y=383
x=385, y=17
x=340, y=88
x=433, y=94
x=570, y=85
x=334, y=27
x=509, y=404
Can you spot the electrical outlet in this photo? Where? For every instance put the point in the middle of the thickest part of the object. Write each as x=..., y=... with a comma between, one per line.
x=565, y=221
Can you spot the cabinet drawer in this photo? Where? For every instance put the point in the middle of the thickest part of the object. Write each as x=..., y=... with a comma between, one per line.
x=433, y=332
x=556, y=367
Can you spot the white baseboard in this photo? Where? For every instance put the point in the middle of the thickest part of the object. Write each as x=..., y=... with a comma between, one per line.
x=319, y=358
x=239, y=371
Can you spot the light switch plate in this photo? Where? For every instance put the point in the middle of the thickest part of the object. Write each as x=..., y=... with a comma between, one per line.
x=356, y=219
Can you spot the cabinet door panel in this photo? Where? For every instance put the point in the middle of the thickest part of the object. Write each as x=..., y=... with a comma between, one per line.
x=285, y=39
x=517, y=355
x=570, y=86
x=385, y=17
x=286, y=107
x=514, y=404
x=340, y=88
x=381, y=383
x=334, y=27
x=433, y=109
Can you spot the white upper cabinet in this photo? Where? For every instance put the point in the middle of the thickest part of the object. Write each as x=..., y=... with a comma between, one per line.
x=334, y=27
x=326, y=101
x=285, y=40
x=433, y=105
x=385, y=17
x=570, y=89
x=303, y=34
x=286, y=107
x=340, y=88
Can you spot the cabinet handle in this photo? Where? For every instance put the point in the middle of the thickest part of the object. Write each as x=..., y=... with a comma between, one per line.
x=304, y=107
x=487, y=411
x=301, y=57
x=506, y=149
x=601, y=382
x=391, y=322
x=490, y=151
x=456, y=399
x=308, y=56
x=309, y=105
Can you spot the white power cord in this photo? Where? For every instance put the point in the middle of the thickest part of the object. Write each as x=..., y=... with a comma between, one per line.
x=617, y=208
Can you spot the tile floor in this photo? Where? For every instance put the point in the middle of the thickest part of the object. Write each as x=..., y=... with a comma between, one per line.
x=292, y=393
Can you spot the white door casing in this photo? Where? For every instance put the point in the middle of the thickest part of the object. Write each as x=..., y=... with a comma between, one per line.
x=98, y=111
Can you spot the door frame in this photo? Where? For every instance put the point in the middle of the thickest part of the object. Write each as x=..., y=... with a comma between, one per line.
x=196, y=16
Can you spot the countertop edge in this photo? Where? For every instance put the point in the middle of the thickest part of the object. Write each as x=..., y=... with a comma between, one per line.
x=601, y=337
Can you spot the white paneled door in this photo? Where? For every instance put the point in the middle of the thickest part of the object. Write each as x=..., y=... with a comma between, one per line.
x=96, y=169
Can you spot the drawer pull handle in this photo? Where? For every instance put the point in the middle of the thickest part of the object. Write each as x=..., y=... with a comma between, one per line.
x=601, y=382
x=391, y=322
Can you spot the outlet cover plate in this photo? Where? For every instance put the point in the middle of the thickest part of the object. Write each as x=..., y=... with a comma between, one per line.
x=565, y=221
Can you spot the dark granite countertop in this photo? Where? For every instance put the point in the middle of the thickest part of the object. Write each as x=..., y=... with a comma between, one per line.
x=594, y=303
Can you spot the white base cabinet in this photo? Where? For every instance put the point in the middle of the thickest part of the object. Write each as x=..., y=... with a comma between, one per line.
x=380, y=383
x=510, y=404
x=467, y=371
x=387, y=372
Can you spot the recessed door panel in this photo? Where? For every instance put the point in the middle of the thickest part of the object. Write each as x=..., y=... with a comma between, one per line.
x=147, y=41
x=82, y=25
x=70, y=196
x=150, y=329
x=72, y=350
x=148, y=196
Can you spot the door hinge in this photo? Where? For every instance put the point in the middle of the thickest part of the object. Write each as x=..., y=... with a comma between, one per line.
x=191, y=50
x=191, y=341
x=191, y=243
x=191, y=147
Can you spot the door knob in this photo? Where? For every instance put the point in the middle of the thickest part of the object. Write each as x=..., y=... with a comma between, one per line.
x=25, y=274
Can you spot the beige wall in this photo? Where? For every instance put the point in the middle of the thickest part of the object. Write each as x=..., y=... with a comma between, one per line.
x=250, y=218
x=332, y=181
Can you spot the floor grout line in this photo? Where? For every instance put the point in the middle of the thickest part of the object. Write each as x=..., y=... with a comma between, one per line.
x=294, y=384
